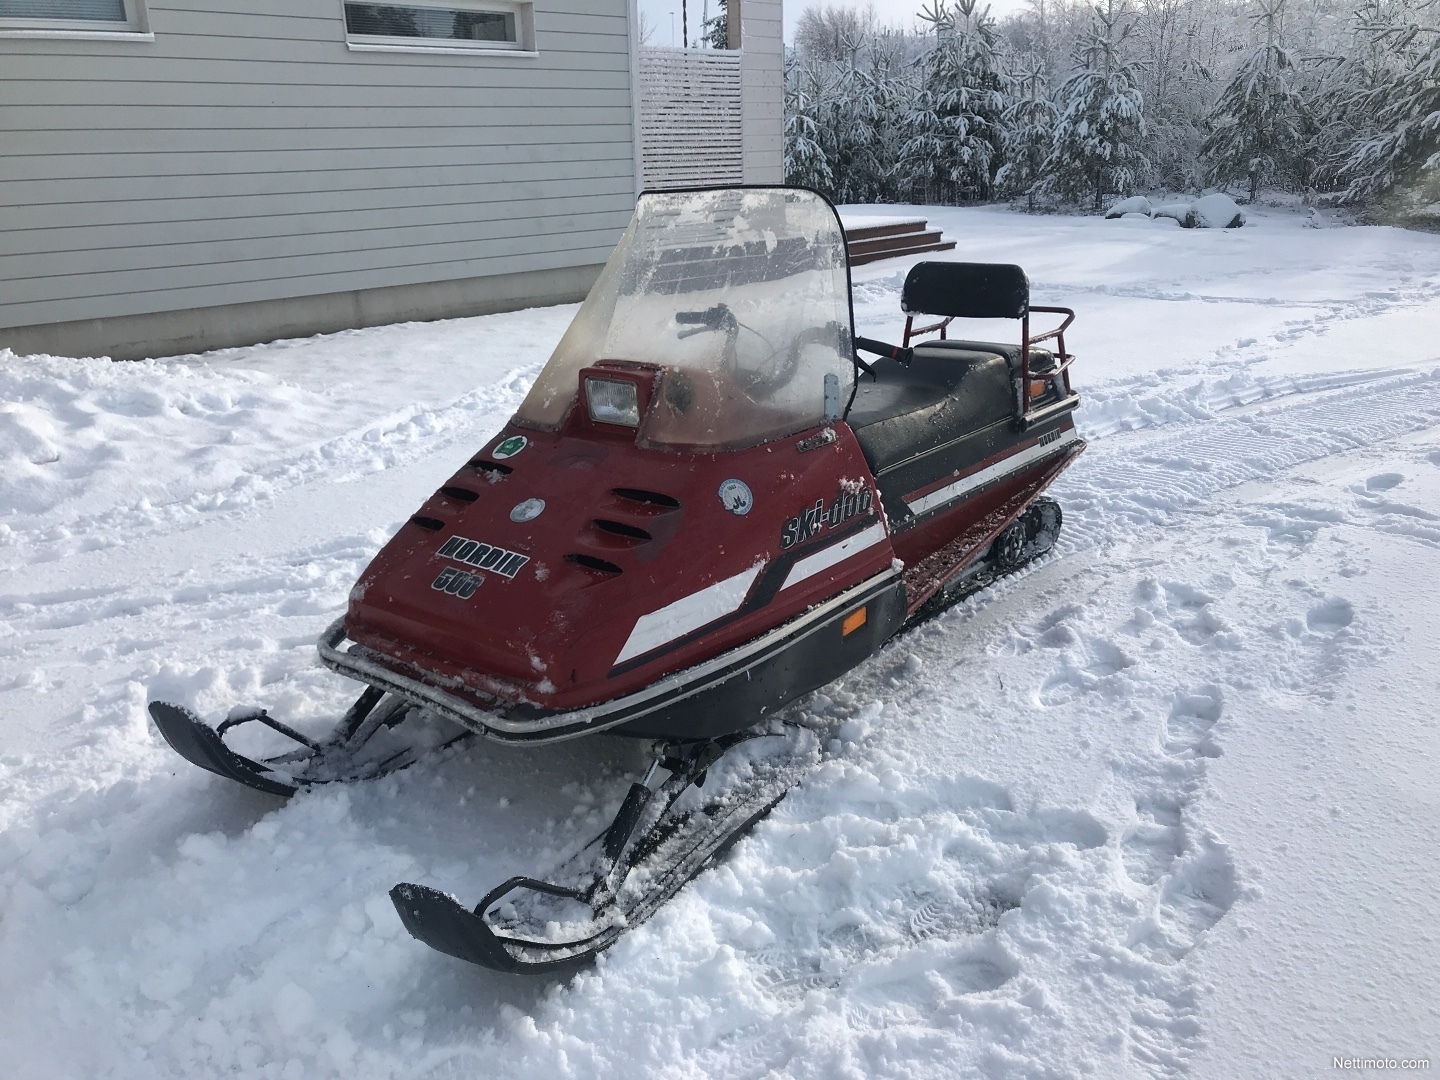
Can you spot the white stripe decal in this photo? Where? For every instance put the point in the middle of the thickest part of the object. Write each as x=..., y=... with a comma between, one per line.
x=827, y=557
x=969, y=483
x=688, y=613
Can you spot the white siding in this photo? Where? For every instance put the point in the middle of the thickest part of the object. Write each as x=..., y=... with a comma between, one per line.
x=247, y=155
x=763, y=78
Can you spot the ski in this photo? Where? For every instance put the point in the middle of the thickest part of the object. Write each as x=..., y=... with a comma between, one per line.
x=363, y=745
x=662, y=837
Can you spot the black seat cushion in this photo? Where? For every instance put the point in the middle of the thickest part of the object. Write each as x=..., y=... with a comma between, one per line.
x=1041, y=360
x=948, y=391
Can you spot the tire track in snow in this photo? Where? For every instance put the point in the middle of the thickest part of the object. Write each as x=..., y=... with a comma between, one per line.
x=1124, y=482
x=404, y=436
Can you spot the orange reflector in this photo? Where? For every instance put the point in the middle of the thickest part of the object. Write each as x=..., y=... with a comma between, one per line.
x=853, y=622
x=1037, y=388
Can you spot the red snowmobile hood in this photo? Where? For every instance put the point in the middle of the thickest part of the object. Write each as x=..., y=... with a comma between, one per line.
x=571, y=568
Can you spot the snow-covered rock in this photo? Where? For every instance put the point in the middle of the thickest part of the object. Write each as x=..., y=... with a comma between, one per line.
x=1218, y=211
x=1136, y=204
x=1181, y=210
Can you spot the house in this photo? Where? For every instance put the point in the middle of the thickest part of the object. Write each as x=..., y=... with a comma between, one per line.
x=178, y=175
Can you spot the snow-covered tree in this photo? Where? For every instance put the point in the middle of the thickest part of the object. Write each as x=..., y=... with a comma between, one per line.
x=715, y=30
x=1404, y=104
x=954, y=126
x=1029, y=127
x=1259, y=126
x=1095, y=149
x=805, y=162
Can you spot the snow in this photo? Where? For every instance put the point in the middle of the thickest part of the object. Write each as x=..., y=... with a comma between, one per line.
x=1162, y=804
x=1135, y=204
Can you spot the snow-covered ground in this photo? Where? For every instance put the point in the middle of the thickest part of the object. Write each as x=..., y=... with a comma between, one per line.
x=1164, y=804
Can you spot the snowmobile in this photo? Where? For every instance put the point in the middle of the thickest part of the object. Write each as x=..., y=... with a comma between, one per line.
x=707, y=506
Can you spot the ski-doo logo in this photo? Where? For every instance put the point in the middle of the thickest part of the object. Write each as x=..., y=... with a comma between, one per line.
x=457, y=583
x=809, y=522
x=484, y=556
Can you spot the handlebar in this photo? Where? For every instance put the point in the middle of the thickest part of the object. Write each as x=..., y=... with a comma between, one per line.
x=880, y=348
x=714, y=317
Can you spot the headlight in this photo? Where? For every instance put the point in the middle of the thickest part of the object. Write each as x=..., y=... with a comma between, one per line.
x=613, y=401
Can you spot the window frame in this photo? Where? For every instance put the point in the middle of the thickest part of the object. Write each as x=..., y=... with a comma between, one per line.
x=136, y=27
x=522, y=48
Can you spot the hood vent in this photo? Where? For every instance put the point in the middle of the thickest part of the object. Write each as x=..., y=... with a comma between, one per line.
x=493, y=469
x=459, y=494
x=620, y=529
x=427, y=523
x=649, y=498
x=590, y=562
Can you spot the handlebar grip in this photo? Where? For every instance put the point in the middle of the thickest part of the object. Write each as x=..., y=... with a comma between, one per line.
x=708, y=317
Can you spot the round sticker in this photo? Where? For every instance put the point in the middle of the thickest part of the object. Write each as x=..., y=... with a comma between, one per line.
x=735, y=496
x=528, y=510
x=510, y=447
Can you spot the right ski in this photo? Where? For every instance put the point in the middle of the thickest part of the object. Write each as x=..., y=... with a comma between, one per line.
x=619, y=880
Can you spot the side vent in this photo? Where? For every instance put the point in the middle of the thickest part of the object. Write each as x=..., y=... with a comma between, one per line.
x=459, y=494
x=429, y=524
x=590, y=562
x=619, y=528
x=649, y=498
x=493, y=469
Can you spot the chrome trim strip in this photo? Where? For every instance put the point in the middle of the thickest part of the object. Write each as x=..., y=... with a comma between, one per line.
x=569, y=725
x=1004, y=467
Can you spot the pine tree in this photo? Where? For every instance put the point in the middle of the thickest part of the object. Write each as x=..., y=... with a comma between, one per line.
x=1029, y=126
x=1096, y=146
x=955, y=131
x=715, y=30
x=1405, y=107
x=1258, y=128
x=805, y=162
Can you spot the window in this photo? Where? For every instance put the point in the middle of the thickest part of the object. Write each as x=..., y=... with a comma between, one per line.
x=83, y=17
x=460, y=25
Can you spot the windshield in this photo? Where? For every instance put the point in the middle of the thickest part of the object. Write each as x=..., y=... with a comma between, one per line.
x=740, y=295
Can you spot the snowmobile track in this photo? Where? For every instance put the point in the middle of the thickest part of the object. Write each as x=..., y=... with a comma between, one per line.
x=1181, y=470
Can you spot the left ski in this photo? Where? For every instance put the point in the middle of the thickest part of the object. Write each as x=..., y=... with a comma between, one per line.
x=361, y=746
x=615, y=884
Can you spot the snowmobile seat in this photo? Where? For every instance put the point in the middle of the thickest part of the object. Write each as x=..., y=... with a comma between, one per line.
x=943, y=395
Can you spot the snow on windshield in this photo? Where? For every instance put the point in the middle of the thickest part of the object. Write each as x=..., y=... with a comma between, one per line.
x=740, y=295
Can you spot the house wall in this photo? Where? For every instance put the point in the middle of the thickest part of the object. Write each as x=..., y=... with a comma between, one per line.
x=246, y=176
x=763, y=91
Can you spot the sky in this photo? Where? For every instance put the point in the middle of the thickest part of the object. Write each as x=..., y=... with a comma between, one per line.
x=897, y=12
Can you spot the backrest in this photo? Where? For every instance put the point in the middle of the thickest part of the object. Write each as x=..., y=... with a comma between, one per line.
x=966, y=290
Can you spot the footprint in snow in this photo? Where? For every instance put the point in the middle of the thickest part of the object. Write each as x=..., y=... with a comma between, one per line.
x=1187, y=610
x=1330, y=617
x=1192, y=875
x=1089, y=665
x=1187, y=730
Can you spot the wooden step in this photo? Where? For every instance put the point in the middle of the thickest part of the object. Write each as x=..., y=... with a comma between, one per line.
x=887, y=228
x=891, y=239
x=942, y=245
